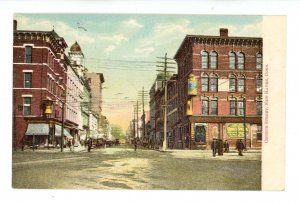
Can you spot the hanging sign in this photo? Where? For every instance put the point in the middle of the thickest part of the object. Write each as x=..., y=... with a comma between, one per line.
x=192, y=85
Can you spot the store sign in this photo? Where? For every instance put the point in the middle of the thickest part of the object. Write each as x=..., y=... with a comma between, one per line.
x=236, y=130
x=189, y=107
x=192, y=85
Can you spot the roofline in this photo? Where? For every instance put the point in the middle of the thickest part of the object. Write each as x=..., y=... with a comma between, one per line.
x=213, y=37
x=43, y=32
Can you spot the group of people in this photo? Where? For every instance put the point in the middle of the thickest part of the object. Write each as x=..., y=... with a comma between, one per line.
x=218, y=146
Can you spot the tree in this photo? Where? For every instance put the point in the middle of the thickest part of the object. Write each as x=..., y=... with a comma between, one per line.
x=117, y=132
x=104, y=125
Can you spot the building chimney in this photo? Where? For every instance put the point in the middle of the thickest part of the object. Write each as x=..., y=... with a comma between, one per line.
x=15, y=25
x=224, y=32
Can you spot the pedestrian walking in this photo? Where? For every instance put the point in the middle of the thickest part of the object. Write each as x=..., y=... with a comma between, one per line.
x=69, y=145
x=214, y=147
x=240, y=147
x=89, y=143
x=73, y=144
x=220, y=147
x=226, y=146
x=135, y=144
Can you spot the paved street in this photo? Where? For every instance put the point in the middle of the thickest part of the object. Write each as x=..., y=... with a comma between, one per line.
x=122, y=168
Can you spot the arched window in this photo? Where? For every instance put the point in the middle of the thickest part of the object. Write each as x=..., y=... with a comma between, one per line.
x=204, y=82
x=214, y=83
x=232, y=102
x=241, y=107
x=232, y=83
x=241, y=61
x=204, y=60
x=259, y=107
x=232, y=60
x=259, y=61
x=205, y=106
x=241, y=84
x=213, y=60
x=259, y=84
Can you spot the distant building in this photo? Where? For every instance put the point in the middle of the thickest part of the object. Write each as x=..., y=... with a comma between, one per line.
x=154, y=128
x=219, y=90
x=95, y=81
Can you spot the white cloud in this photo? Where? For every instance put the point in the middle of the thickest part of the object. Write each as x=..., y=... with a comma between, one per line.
x=251, y=30
x=109, y=49
x=117, y=39
x=133, y=24
x=178, y=27
x=144, y=51
x=168, y=33
x=70, y=34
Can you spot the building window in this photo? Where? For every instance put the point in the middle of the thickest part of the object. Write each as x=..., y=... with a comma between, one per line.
x=259, y=84
x=27, y=80
x=28, y=53
x=241, y=61
x=231, y=60
x=214, y=83
x=259, y=61
x=27, y=105
x=232, y=107
x=241, y=84
x=241, y=108
x=204, y=60
x=204, y=82
x=232, y=84
x=259, y=107
x=205, y=107
x=213, y=60
x=259, y=132
x=214, y=107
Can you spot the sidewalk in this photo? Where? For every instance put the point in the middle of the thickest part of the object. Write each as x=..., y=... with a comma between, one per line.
x=45, y=149
x=251, y=154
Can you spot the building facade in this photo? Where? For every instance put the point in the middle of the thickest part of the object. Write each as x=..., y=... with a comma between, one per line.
x=219, y=89
x=76, y=57
x=39, y=87
x=96, y=81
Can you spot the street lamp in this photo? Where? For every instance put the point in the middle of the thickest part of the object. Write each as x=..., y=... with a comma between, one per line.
x=245, y=139
x=48, y=113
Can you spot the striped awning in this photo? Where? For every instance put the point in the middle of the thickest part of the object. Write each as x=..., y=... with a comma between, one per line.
x=37, y=129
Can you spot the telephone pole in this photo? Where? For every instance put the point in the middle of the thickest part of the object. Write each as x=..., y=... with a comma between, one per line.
x=133, y=123
x=143, y=95
x=165, y=71
x=62, y=126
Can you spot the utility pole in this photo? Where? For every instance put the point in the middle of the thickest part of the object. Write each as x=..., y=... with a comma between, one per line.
x=143, y=95
x=137, y=119
x=245, y=139
x=133, y=123
x=165, y=71
x=62, y=127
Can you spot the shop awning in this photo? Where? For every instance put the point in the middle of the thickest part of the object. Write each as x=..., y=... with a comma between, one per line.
x=37, y=129
x=58, y=132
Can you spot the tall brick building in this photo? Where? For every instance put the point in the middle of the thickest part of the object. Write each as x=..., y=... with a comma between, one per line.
x=96, y=81
x=219, y=90
x=39, y=87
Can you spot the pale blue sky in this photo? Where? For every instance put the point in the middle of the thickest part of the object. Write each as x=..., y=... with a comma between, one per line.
x=131, y=38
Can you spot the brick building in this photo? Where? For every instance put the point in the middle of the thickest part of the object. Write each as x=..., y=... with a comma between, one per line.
x=39, y=87
x=219, y=90
x=96, y=81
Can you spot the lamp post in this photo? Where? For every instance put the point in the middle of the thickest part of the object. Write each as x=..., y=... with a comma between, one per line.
x=48, y=113
x=245, y=140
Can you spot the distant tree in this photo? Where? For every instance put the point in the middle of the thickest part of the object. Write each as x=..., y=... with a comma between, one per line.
x=117, y=132
x=104, y=124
